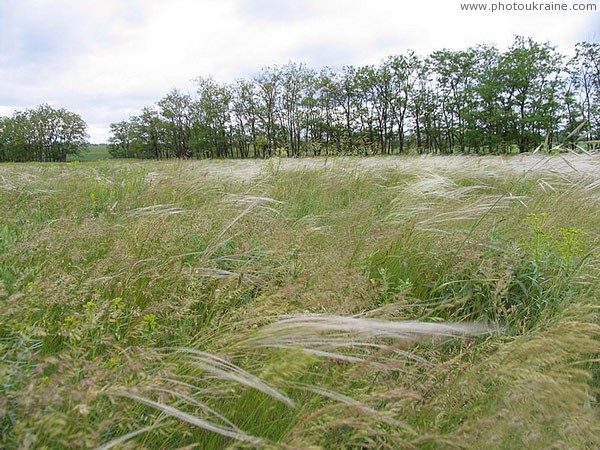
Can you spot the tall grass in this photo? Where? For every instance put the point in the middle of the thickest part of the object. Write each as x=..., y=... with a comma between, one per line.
x=447, y=302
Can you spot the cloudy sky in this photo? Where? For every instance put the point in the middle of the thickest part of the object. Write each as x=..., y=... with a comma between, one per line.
x=106, y=59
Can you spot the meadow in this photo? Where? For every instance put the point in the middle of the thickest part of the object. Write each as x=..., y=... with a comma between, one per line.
x=91, y=152
x=407, y=302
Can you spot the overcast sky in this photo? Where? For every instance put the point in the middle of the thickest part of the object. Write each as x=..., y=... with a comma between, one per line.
x=106, y=59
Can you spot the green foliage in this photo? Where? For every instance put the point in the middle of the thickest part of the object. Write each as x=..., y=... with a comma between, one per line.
x=42, y=134
x=553, y=256
x=477, y=100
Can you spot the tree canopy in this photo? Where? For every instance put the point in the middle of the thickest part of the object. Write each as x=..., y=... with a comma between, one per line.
x=478, y=100
x=41, y=134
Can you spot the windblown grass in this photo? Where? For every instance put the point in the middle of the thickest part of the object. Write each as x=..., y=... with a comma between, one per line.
x=413, y=303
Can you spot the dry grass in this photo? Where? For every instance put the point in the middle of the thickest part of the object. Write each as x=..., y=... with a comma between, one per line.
x=417, y=302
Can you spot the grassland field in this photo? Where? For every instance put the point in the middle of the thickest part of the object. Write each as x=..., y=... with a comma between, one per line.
x=92, y=152
x=406, y=302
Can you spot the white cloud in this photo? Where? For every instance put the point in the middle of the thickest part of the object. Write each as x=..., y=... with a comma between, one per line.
x=106, y=60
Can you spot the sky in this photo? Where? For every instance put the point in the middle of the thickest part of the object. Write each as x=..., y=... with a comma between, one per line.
x=107, y=59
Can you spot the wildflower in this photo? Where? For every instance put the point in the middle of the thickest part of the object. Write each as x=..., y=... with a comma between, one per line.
x=90, y=305
x=149, y=321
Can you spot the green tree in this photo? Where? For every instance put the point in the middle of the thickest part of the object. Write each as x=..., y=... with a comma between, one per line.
x=293, y=80
x=584, y=70
x=122, y=141
x=42, y=134
x=176, y=112
x=530, y=75
x=245, y=114
x=269, y=87
x=151, y=132
x=213, y=117
x=474, y=100
x=404, y=71
x=456, y=81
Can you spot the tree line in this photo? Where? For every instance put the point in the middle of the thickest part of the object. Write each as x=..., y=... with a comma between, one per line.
x=479, y=100
x=41, y=134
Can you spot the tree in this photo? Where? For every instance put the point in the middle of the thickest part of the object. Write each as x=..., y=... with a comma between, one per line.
x=245, y=113
x=42, y=134
x=529, y=72
x=176, y=111
x=13, y=139
x=584, y=70
x=122, y=142
x=456, y=80
x=269, y=86
x=150, y=130
x=488, y=131
x=294, y=80
x=213, y=117
x=474, y=100
x=404, y=71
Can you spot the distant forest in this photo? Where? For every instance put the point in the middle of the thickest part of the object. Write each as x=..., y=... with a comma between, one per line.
x=480, y=100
